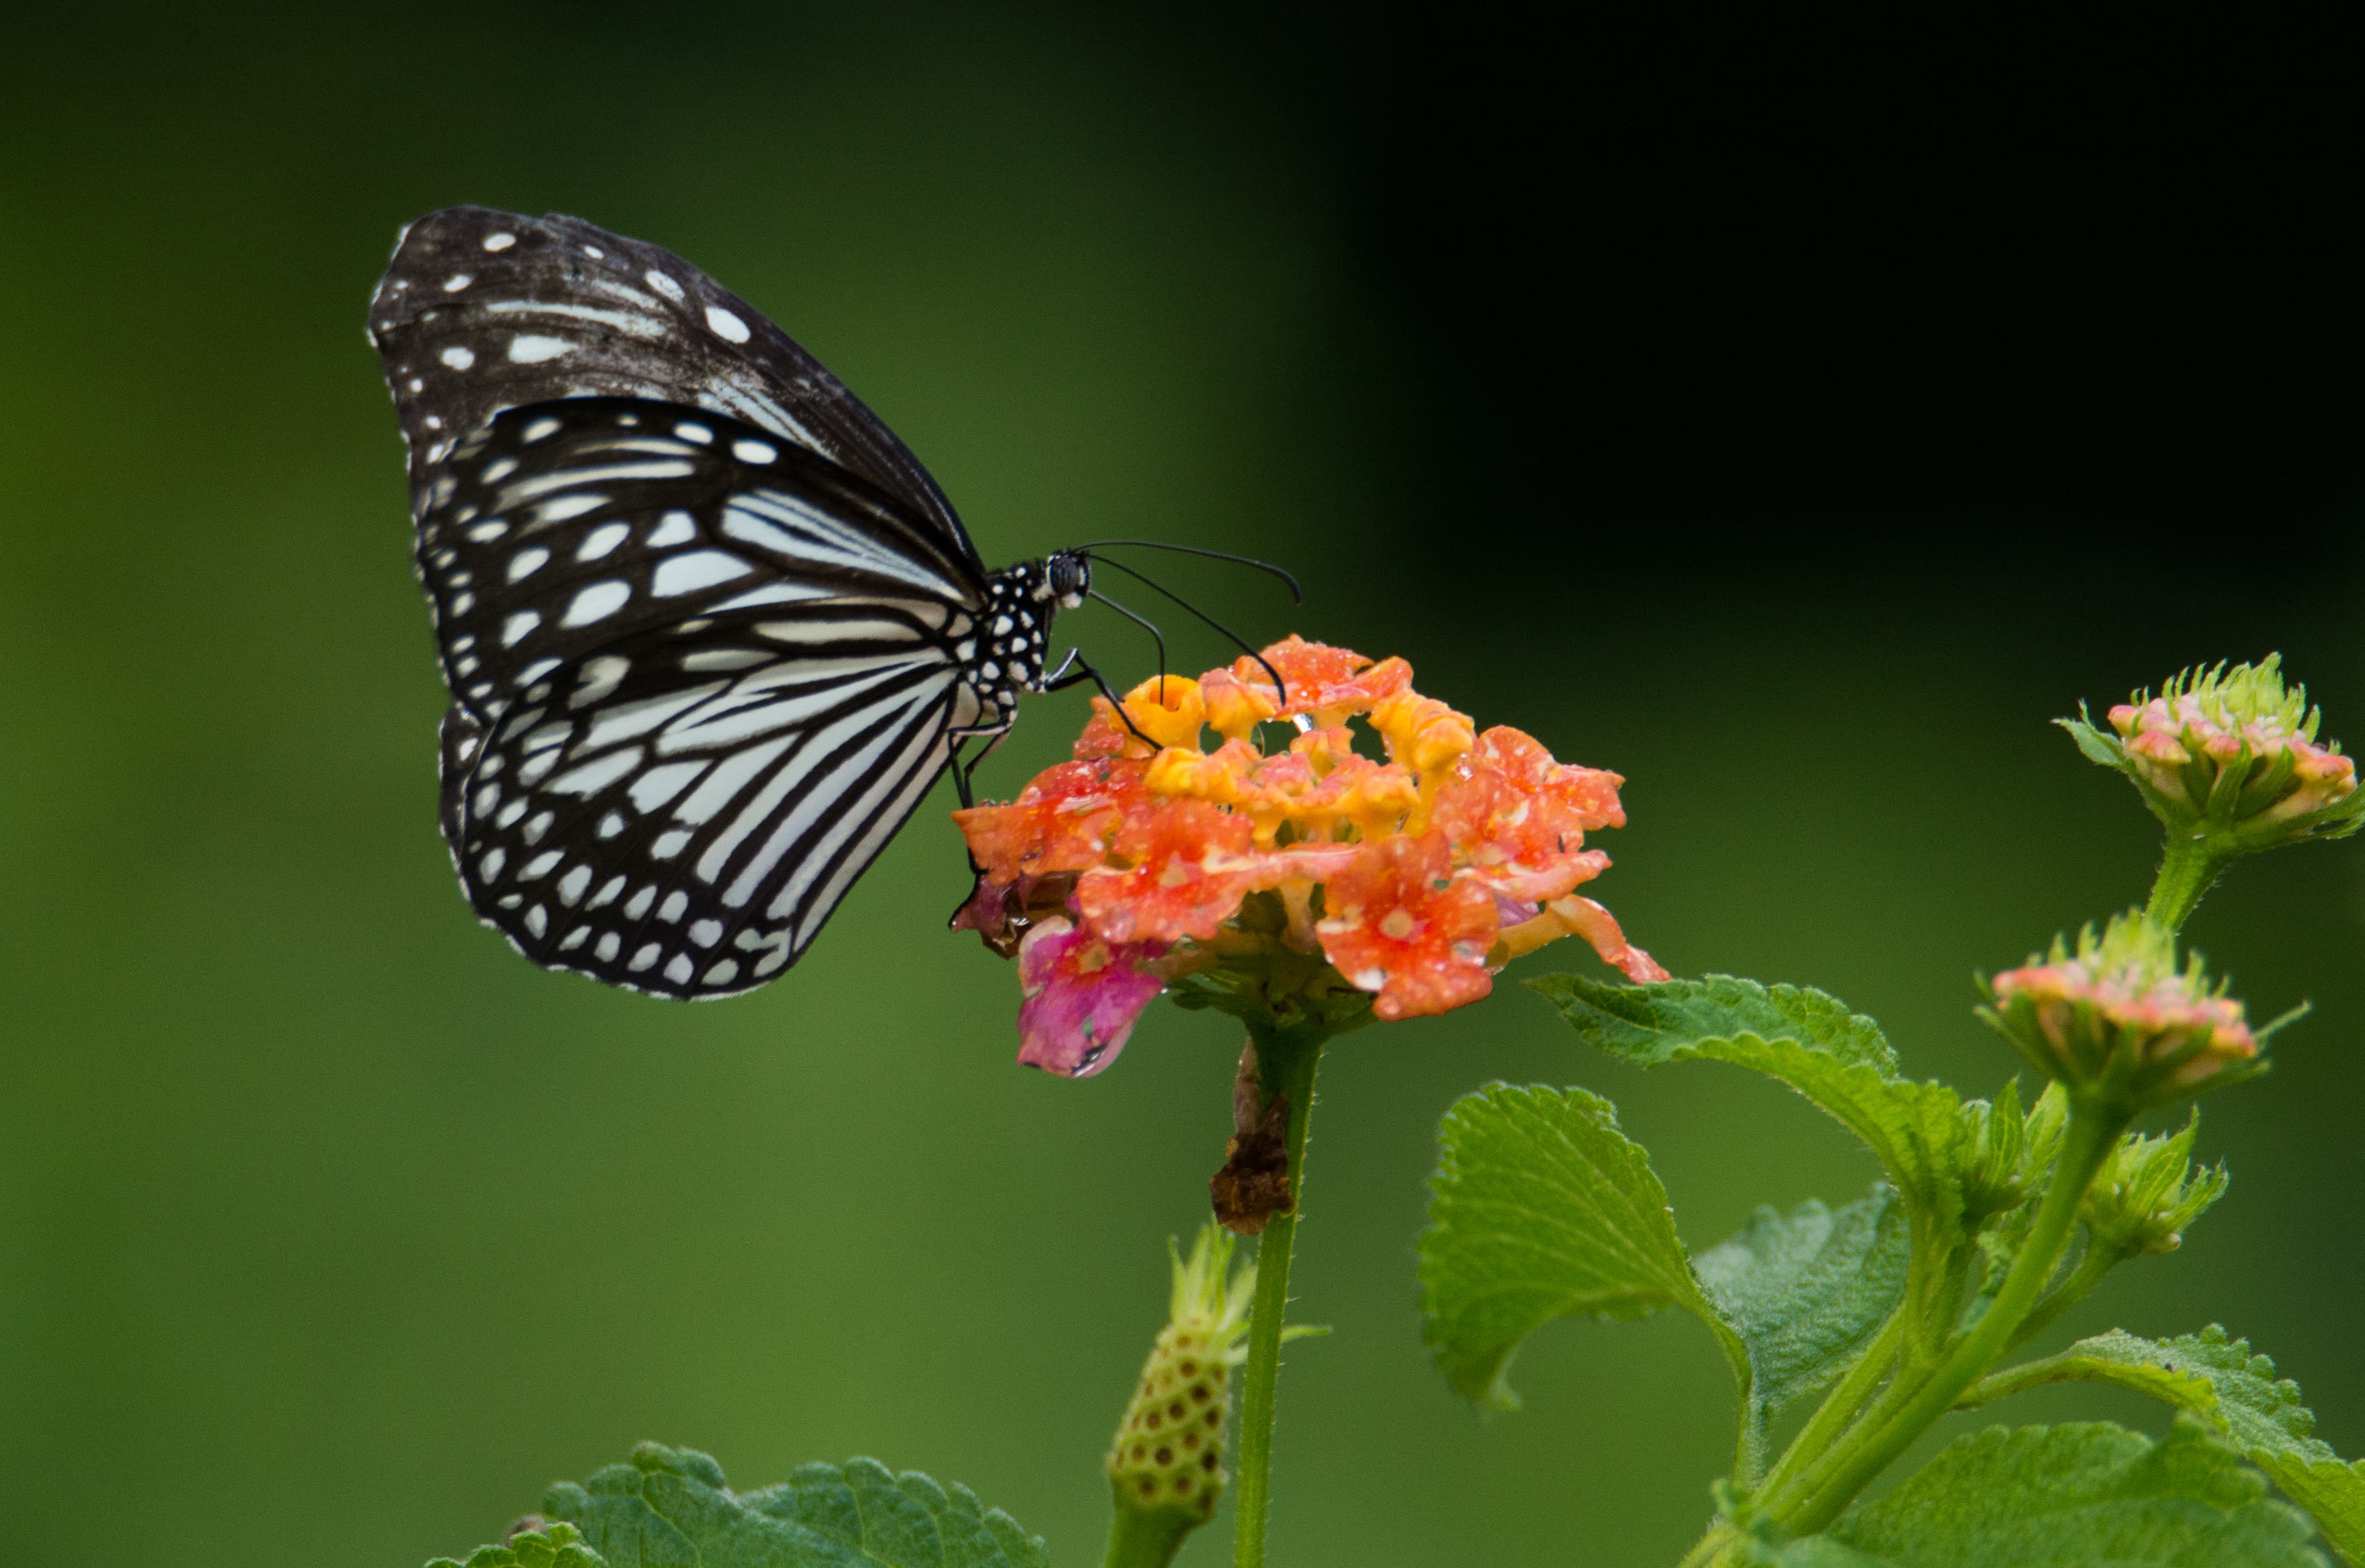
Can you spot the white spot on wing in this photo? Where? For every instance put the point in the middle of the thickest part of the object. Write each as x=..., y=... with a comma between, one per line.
x=674, y=528
x=594, y=777
x=500, y=241
x=663, y=284
x=726, y=324
x=458, y=358
x=457, y=281
x=699, y=433
x=658, y=785
x=526, y=561
x=518, y=625
x=598, y=676
x=534, y=348
x=597, y=602
x=541, y=428
x=754, y=451
x=696, y=570
x=602, y=540
x=679, y=970
x=565, y=507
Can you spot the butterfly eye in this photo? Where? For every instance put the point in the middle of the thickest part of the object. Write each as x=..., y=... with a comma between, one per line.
x=1070, y=577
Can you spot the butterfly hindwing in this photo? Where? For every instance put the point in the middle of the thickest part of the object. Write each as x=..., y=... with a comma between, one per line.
x=681, y=811
x=482, y=310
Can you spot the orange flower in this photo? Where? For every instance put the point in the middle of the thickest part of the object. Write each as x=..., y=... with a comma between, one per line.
x=1430, y=870
x=1519, y=817
x=1323, y=680
x=1175, y=870
x=1404, y=927
x=1063, y=820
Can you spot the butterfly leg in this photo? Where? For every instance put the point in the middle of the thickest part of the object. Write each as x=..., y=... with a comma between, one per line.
x=1074, y=671
x=965, y=774
x=960, y=780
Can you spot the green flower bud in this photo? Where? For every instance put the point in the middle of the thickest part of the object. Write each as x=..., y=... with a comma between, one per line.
x=2148, y=1192
x=2117, y=1019
x=2228, y=758
x=1166, y=1468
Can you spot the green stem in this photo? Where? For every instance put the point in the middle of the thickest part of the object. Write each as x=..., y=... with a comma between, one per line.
x=1719, y=1536
x=2189, y=871
x=1148, y=1537
x=1286, y=1062
x=2066, y=1295
x=1831, y=1417
x=2061, y=1368
x=2093, y=1131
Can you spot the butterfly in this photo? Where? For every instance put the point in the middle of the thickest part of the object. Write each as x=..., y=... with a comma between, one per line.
x=710, y=631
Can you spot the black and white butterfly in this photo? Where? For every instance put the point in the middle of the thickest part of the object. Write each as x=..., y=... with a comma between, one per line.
x=711, y=632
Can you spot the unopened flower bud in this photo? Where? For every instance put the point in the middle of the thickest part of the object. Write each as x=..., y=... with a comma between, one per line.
x=2148, y=1192
x=2004, y=1153
x=2117, y=1018
x=2230, y=756
x=1166, y=1470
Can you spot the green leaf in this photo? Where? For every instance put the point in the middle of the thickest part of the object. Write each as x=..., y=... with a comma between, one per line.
x=2236, y=1394
x=671, y=1508
x=558, y=1546
x=2079, y=1497
x=1807, y=1290
x=1651, y=1023
x=1804, y=1038
x=1542, y=1208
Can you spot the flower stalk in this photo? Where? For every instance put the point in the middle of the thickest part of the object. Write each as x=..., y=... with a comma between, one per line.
x=1286, y=1060
x=2186, y=874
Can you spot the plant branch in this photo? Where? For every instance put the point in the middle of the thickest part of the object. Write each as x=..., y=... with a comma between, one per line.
x=2093, y=1131
x=1831, y=1416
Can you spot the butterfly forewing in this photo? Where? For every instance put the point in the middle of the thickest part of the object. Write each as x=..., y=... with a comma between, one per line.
x=562, y=528
x=483, y=310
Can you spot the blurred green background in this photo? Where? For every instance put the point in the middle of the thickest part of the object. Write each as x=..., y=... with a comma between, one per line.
x=1793, y=439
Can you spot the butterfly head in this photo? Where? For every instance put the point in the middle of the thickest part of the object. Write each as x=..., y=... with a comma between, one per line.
x=1067, y=577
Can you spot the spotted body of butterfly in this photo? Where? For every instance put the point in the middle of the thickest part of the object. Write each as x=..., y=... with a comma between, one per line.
x=711, y=632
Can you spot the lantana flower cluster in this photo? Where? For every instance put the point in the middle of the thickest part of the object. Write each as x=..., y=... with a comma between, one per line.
x=1411, y=879
x=2118, y=1014
x=2234, y=750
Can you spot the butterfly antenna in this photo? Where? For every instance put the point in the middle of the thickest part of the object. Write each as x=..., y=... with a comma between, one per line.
x=1296, y=594
x=1146, y=624
x=1279, y=690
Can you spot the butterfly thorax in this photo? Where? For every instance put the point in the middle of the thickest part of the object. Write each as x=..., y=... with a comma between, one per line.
x=1006, y=656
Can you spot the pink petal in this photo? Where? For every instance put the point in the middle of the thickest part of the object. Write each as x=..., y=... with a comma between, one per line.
x=1082, y=994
